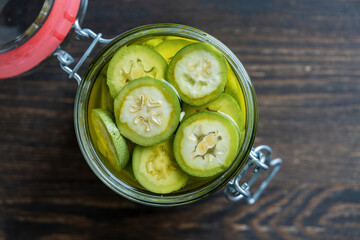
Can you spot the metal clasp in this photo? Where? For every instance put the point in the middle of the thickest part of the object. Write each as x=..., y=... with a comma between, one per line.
x=261, y=158
x=66, y=59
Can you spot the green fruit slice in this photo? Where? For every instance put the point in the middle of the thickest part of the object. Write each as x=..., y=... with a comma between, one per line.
x=169, y=48
x=95, y=99
x=176, y=37
x=198, y=72
x=108, y=140
x=152, y=42
x=147, y=111
x=206, y=144
x=156, y=169
x=107, y=102
x=224, y=103
x=132, y=62
x=233, y=88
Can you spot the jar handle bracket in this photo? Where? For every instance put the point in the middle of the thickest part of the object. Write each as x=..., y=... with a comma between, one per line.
x=66, y=59
x=261, y=158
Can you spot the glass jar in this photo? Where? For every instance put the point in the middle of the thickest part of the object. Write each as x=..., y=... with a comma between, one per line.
x=82, y=124
x=56, y=23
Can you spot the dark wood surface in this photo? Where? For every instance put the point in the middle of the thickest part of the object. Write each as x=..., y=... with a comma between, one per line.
x=304, y=60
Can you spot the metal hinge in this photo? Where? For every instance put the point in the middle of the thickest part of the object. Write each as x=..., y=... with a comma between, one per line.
x=261, y=158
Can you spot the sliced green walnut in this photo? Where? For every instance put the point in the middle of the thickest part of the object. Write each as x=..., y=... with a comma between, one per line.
x=167, y=49
x=233, y=88
x=107, y=102
x=132, y=62
x=108, y=140
x=151, y=42
x=206, y=144
x=147, y=111
x=198, y=72
x=156, y=169
x=224, y=104
x=177, y=37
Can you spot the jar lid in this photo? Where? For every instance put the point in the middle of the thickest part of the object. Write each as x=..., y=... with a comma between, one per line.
x=26, y=42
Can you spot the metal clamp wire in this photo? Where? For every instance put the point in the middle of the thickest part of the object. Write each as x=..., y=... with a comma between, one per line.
x=234, y=191
x=66, y=59
x=86, y=33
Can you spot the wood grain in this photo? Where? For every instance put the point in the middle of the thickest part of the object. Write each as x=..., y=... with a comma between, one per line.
x=303, y=58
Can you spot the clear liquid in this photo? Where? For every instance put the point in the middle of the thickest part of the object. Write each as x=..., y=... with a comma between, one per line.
x=100, y=98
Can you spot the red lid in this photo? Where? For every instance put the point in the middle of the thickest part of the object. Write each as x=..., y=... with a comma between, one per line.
x=43, y=43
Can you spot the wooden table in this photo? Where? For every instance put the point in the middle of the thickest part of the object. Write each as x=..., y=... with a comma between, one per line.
x=304, y=60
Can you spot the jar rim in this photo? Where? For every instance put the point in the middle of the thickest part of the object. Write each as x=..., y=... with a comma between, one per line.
x=82, y=129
